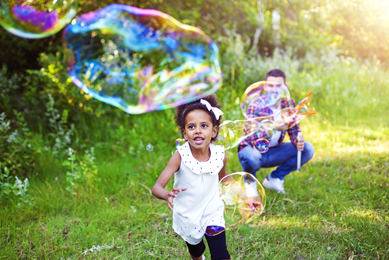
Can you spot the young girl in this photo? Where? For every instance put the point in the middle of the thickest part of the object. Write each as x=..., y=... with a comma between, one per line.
x=197, y=167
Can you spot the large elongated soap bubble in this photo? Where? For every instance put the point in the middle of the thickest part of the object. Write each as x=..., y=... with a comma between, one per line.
x=243, y=196
x=36, y=18
x=140, y=60
x=231, y=133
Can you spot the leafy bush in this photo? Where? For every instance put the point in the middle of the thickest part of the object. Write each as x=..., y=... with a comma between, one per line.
x=73, y=174
x=5, y=186
x=18, y=188
x=60, y=134
x=80, y=170
x=16, y=152
x=88, y=167
x=9, y=86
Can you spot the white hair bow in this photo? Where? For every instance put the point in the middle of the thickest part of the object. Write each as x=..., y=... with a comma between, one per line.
x=216, y=111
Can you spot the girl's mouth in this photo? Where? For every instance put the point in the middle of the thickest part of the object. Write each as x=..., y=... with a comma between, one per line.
x=198, y=140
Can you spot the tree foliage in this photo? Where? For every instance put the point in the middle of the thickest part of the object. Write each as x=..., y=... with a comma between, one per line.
x=357, y=28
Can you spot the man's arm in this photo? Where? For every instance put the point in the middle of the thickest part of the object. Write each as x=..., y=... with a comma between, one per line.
x=293, y=132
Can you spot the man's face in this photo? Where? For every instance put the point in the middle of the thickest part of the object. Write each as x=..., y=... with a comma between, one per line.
x=273, y=82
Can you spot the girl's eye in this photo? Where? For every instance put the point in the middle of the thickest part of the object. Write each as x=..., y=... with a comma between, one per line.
x=191, y=127
x=204, y=126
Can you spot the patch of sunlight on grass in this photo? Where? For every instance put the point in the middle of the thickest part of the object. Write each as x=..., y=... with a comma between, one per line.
x=320, y=224
x=366, y=214
x=345, y=141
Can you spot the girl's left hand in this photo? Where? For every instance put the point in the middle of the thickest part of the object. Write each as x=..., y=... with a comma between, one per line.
x=254, y=204
x=171, y=195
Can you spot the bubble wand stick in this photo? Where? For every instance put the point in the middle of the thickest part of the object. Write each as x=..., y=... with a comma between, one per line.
x=299, y=136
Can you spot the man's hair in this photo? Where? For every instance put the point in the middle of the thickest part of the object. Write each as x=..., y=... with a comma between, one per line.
x=276, y=73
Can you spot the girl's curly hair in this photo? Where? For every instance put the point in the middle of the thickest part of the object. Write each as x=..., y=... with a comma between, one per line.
x=183, y=111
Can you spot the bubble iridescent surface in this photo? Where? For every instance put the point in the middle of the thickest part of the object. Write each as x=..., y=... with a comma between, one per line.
x=231, y=133
x=243, y=196
x=263, y=94
x=150, y=147
x=214, y=230
x=178, y=141
x=36, y=19
x=263, y=127
x=262, y=145
x=140, y=60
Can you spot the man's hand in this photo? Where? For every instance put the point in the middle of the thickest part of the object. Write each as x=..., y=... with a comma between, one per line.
x=300, y=144
x=171, y=195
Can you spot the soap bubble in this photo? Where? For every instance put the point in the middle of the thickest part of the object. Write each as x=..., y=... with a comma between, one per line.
x=231, y=133
x=150, y=147
x=214, y=230
x=36, y=19
x=243, y=196
x=178, y=141
x=263, y=95
x=140, y=60
x=262, y=145
x=261, y=129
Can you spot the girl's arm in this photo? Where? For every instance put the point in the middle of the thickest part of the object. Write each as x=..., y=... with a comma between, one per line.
x=229, y=180
x=223, y=172
x=159, y=187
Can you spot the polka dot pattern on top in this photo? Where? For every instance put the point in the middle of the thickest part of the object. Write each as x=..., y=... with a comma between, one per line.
x=212, y=166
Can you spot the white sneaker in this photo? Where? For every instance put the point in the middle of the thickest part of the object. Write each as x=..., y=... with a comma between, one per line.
x=251, y=189
x=203, y=257
x=274, y=184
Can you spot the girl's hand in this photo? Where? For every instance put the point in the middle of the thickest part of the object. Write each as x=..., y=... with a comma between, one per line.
x=256, y=204
x=253, y=203
x=173, y=194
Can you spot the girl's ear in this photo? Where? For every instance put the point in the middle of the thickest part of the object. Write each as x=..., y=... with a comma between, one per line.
x=214, y=131
x=184, y=135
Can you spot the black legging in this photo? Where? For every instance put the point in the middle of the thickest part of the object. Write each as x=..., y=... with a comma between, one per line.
x=217, y=246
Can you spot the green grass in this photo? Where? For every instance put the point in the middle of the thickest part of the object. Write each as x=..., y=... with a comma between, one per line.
x=337, y=207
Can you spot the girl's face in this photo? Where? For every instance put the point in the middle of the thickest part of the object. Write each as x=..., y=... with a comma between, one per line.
x=199, y=129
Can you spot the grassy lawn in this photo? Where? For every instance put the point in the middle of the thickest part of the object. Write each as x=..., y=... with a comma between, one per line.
x=337, y=207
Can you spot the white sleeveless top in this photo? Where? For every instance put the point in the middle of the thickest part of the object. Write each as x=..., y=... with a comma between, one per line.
x=200, y=205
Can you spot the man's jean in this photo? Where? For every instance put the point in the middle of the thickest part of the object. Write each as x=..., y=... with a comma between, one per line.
x=284, y=156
